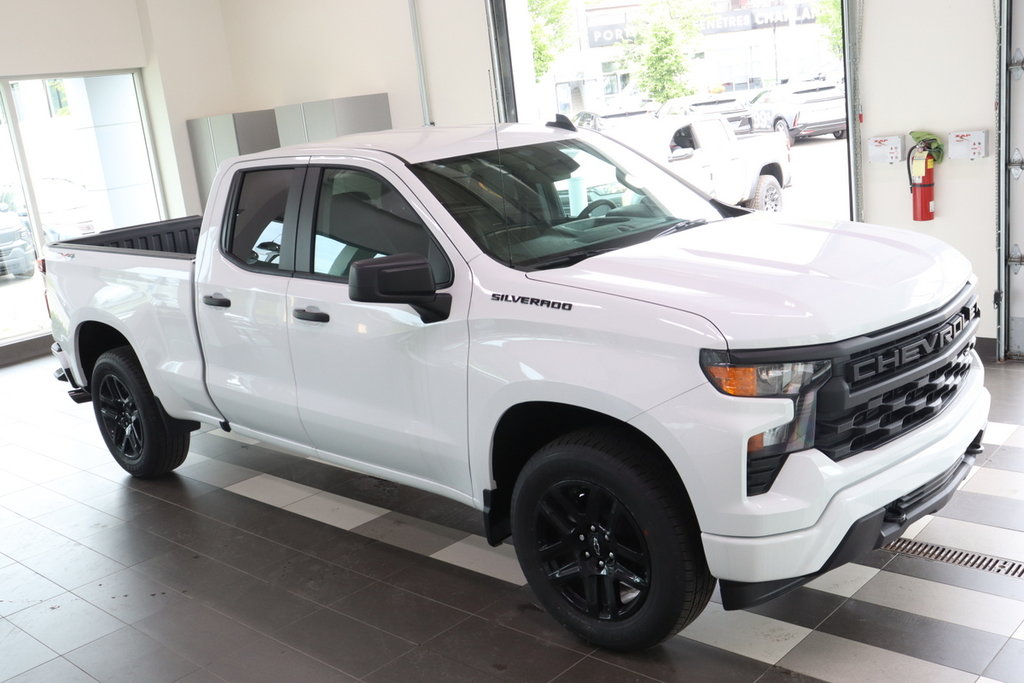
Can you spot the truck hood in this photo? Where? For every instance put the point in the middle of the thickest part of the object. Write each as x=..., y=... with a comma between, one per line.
x=766, y=282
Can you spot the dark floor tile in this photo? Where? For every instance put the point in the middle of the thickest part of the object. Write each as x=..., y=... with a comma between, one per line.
x=261, y=605
x=83, y=486
x=932, y=640
x=216, y=472
x=400, y=612
x=964, y=577
x=192, y=574
x=454, y=586
x=500, y=651
x=73, y=565
x=342, y=642
x=212, y=446
x=130, y=595
x=589, y=670
x=268, y=661
x=365, y=555
x=1006, y=458
x=1008, y=666
x=315, y=474
x=804, y=607
x=255, y=458
x=129, y=655
x=128, y=544
x=682, y=659
x=980, y=508
x=21, y=588
x=78, y=521
x=126, y=503
x=423, y=666
x=201, y=676
x=314, y=579
x=172, y=488
x=876, y=559
x=777, y=674
x=517, y=608
x=65, y=622
x=58, y=669
x=444, y=511
x=195, y=632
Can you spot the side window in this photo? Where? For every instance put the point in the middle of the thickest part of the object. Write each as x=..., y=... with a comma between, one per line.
x=257, y=226
x=360, y=216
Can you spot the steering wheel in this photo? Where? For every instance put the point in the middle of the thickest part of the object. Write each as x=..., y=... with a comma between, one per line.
x=589, y=208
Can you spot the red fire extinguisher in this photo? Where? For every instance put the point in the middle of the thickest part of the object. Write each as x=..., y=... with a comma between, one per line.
x=921, y=170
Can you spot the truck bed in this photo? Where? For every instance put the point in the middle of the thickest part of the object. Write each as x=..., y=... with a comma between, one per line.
x=175, y=236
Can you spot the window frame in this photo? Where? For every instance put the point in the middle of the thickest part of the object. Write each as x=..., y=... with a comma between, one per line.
x=308, y=217
x=286, y=260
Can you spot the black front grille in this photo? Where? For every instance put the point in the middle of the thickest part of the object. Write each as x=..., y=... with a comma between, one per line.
x=887, y=416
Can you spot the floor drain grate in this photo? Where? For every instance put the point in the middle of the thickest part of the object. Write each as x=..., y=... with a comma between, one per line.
x=962, y=558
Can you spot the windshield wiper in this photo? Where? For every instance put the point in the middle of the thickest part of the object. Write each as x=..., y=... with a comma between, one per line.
x=680, y=226
x=572, y=258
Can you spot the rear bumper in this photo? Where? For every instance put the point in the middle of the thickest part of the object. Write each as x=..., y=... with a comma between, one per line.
x=868, y=533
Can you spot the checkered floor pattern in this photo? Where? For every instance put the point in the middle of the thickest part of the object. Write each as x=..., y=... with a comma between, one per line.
x=253, y=565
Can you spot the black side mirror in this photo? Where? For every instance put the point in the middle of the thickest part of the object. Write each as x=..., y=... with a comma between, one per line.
x=399, y=279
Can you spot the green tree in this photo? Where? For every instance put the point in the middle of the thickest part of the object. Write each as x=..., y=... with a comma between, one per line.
x=550, y=32
x=830, y=16
x=662, y=66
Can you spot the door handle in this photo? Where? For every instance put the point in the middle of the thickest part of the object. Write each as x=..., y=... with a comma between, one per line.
x=312, y=316
x=216, y=300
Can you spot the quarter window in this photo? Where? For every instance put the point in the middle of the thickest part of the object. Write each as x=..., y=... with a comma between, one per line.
x=258, y=223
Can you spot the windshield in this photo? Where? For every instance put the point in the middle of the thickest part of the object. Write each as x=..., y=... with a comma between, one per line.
x=553, y=204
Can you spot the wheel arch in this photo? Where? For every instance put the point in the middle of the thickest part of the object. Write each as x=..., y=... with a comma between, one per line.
x=93, y=339
x=523, y=429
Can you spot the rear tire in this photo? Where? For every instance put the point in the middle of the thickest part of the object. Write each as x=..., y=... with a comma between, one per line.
x=839, y=134
x=609, y=546
x=144, y=440
x=780, y=126
x=767, y=194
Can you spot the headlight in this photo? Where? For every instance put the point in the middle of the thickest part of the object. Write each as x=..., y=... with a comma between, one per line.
x=798, y=382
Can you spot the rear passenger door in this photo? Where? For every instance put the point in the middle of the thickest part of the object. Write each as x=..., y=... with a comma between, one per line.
x=241, y=307
x=375, y=384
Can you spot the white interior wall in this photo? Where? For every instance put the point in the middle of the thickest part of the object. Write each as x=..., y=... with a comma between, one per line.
x=207, y=57
x=932, y=65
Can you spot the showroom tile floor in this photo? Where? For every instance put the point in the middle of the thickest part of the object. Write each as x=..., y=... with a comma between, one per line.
x=249, y=565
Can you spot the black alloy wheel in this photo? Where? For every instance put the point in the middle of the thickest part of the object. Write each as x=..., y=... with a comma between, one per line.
x=593, y=551
x=121, y=418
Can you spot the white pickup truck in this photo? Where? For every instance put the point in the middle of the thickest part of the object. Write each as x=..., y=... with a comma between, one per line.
x=648, y=390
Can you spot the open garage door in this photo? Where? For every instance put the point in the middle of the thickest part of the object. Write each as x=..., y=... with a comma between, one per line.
x=1014, y=184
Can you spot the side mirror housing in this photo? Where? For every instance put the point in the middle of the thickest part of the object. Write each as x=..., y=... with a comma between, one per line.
x=680, y=153
x=399, y=279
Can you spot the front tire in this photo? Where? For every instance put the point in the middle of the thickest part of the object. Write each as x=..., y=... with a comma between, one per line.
x=143, y=439
x=610, y=548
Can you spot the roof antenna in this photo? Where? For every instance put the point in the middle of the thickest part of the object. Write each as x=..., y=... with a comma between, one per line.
x=561, y=121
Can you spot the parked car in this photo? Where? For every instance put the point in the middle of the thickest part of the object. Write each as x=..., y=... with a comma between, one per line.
x=732, y=106
x=801, y=110
x=17, y=254
x=64, y=209
x=673, y=391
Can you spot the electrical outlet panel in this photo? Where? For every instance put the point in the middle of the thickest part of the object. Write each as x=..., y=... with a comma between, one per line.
x=968, y=144
x=886, y=150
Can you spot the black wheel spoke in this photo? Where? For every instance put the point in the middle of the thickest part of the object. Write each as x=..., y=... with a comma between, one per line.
x=557, y=518
x=566, y=572
x=553, y=550
x=630, y=578
x=592, y=595
x=609, y=595
x=624, y=552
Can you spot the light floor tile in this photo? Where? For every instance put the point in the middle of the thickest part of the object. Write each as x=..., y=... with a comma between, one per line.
x=917, y=527
x=845, y=580
x=343, y=513
x=20, y=652
x=475, y=553
x=962, y=606
x=1016, y=439
x=839, y=660
x=9, y=483
x=215, y=472
x=997, y=483
x=36, y=468
x=978, y=538
x=35, y=501
x=998, y=432
x=970, y=475
x=233, y=437
x=745, y=633
x=1019, y=635
x=272, y=490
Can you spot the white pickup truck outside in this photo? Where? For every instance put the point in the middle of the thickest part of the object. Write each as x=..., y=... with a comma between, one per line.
x=647, y=389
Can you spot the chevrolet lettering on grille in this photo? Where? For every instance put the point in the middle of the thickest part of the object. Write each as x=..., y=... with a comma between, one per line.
x=913, y=351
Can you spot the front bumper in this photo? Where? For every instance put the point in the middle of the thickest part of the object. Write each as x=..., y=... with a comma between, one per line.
x=868, y=533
